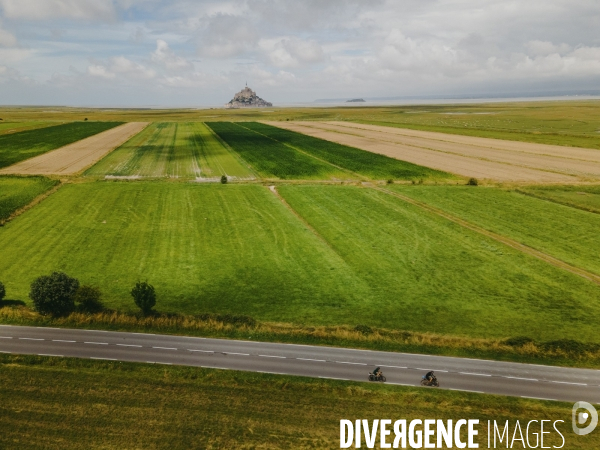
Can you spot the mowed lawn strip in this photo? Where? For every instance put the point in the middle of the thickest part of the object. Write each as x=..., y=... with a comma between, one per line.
x=17, y=147
x=272, y=159
x=429, y=274
x=206, y=248
x=566, y=233
x=16, y=192
x=176, y=150
x=60, y=403
x=365, y=163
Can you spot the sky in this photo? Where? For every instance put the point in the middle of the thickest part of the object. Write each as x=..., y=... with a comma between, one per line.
x=151, y=53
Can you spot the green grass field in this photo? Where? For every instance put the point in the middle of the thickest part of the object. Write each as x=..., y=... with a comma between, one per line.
x=582, y=197
x=186, y=150
x=206, y=248
x=365, y=163
x=574, y=123
x=566, y=233
x=16, y=147
x=272, y=159
x=15, y=127
x=16, y=192
x=237, y=249
x=428, y=274
x=79, y=404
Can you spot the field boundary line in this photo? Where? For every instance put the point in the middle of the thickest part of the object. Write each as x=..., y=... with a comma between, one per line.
x=498, y=237
x=273, y=189
x=32, y=203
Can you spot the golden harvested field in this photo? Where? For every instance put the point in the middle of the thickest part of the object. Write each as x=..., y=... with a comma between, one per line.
x=74, y=158
x=492, y=159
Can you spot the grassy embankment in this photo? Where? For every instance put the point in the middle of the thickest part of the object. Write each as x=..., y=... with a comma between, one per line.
x=361, y=162
x=17, y=147
x=126, y=405
x=551, y=122
x=186, y=150
x=17, y=192
x=566, y=233
x=237, y=249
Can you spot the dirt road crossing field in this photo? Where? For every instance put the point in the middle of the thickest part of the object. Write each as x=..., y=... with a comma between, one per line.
x=74, y=158
x=464, y=155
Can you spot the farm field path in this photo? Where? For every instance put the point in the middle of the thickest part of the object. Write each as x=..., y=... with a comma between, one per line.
x=74, y=158
x=458, y=158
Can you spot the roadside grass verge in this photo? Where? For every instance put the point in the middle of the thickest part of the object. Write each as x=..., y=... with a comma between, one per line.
x=82, y=404
x=566, y=233
x=17, y=147
x=586, y=198
x=16, y=192
x=272, y=159
x=563, y=352
x=365, y=163
x=426, y=273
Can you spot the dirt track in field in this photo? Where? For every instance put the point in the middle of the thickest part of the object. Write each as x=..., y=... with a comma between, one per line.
x=75, y=157
x=484, y=158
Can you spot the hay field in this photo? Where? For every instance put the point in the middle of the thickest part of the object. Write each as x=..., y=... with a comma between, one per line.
x=344, y=255
x=175, y=150
x=470, y=157
x=272, y=159
x=102, y=402
x=15, y=147
x=76, y=157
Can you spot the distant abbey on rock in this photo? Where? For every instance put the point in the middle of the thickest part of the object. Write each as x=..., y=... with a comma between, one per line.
x=247, y=98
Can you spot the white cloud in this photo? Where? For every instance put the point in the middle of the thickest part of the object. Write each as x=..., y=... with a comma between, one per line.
x=52, y=9
x=165, y=57
x=7, y=39
x=100, y=71
x=543, y=48
x=121, y=67
x=292, y=52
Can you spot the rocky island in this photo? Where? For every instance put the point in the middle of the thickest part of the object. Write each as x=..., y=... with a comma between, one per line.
x=354, y=100
x=247, y=98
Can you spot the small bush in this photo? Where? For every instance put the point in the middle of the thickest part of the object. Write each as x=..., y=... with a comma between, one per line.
x=54, y=294
x=472, y=182
x=364, y=329
x=2, y=288
x=223, y=179
x=88, y=299
x=144, y=296
x=390, y=181
x=85, y=119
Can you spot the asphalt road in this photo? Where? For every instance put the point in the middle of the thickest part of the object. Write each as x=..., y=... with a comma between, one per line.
x=464, y=374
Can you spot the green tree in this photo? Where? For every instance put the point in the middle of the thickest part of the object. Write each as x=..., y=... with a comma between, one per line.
x=88, y=299
x=54, y=294
x=2, y=291
x=223, y=179
x=144, y=296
